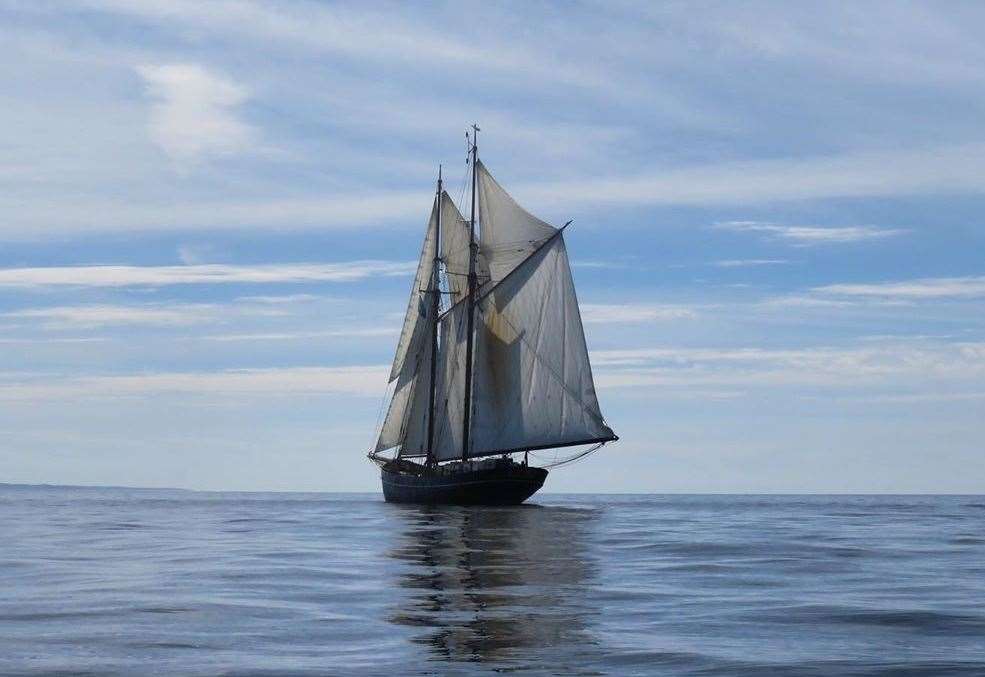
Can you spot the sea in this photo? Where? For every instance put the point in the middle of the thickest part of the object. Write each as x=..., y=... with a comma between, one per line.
x=112, y=581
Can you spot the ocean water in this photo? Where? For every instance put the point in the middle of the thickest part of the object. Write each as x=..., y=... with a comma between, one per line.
x=118, y=581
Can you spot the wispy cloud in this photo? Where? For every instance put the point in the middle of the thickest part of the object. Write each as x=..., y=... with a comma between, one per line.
x=341, y=30
x=194, y=111
x=355, y=332
x=618, y=313
x=92, y=316
x=924, y=365
x=599, y=264
x=195, y=254
x=810, y=235
x=943, y=170
x=804, y=301
x=360, y=381
x=124, y=276
x=342, y=211
x=746, y=263
x=923, y=288
x=161, y=314
x=282, y=299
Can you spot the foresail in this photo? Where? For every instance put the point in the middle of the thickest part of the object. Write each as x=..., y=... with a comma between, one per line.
x=406, y=421
x=533, y=381
x=417, y=307
x=449, y=407
x=509, y=233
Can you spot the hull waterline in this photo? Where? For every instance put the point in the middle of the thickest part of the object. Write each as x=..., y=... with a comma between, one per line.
x=501, y=484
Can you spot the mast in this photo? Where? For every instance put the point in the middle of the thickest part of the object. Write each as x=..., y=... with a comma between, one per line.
x=470, y=325
x=436, y=309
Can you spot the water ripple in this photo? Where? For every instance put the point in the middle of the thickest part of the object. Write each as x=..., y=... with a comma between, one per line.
x=117, y=581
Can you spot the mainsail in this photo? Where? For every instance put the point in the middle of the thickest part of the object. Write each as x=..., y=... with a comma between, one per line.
x=532, y=385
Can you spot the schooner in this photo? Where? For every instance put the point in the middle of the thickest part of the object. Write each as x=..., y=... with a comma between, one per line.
x=491, y=363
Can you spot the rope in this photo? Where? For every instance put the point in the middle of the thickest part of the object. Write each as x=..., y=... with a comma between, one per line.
x=379, y=417
x=537, y=356
x=572, y=459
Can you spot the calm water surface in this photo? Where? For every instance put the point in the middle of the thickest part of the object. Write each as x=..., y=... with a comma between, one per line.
x=118, y=581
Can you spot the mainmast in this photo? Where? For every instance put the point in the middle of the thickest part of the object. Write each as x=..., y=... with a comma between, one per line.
x=436, y=310
x=470, y=323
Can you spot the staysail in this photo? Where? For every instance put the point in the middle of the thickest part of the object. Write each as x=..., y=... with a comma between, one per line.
x=532, y=380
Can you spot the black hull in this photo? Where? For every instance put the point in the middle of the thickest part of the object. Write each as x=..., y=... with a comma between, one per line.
x=502, y=483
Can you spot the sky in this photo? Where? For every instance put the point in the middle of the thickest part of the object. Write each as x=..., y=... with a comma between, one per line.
x=210, y=213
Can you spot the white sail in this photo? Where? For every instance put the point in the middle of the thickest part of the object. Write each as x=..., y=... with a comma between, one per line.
x=532, y=381
x=533, y=384
x=407, y=415
x=455, y=250
x=449, y=406
x=509, y=233
x=406, y=421
x=418, y=306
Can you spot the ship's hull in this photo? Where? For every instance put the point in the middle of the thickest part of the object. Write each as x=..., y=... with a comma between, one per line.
x=501, y=483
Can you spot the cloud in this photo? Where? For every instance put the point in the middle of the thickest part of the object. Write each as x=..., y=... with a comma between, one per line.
x=23, y=220
x=124, y=276
x=359, y=381
x=282, y=299
x=923, y=288
x=92, y=316
x=154, y=314
x=929, y=171
x=743, y=263
x=597, y=313
x=924, y=365
x=194, y=254
x=942, y=170
x=796, y=301
x=810, y=235
x=369, y=332
x=34, y=340
x=600, y=264
x=193, y=114
x=343, y=31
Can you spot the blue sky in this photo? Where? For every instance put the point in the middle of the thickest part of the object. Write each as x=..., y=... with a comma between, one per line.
x=210, y=213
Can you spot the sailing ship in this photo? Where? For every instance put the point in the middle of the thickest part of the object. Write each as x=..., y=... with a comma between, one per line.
x=491, y=363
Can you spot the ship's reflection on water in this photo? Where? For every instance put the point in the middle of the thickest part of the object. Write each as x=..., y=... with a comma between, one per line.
x=496, y=584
